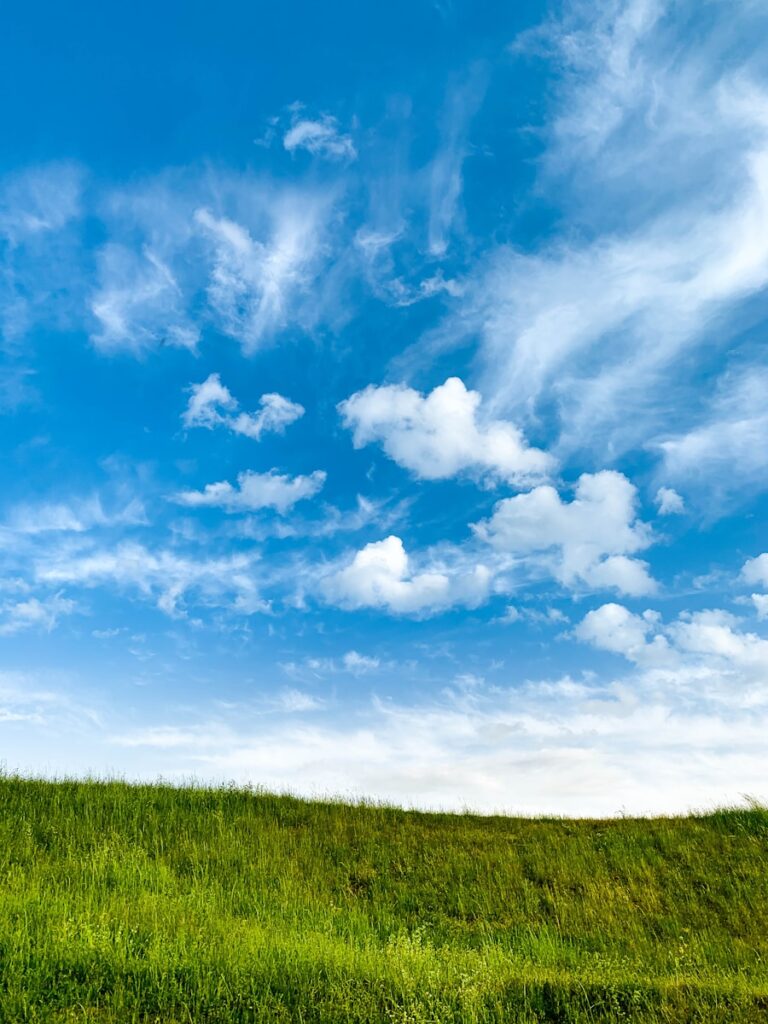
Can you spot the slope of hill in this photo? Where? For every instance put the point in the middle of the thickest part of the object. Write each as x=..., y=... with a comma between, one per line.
x=127, y=903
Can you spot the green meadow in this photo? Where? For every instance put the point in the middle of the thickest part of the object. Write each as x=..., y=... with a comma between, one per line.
x=138, y=903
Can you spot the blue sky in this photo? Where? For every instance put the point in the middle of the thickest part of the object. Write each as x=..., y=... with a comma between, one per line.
x=382, y=395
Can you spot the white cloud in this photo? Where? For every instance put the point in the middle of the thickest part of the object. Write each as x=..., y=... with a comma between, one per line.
x=255, y=491
x=39, y=200
x=296, y=701
x=320, y=137
x=381, y=575
x=585, y=541
x=366, y=513
x=139, y=303
x=211, y=404
x=206, y=402
x=669, y=502
x=275, y=414
x=442, y=434
x=755, y=570
x=597, y=329
x=445, y=177
x=41, y=277
x=257, y=288
x=238, y=253
x=644, y=744
x=359, y=664
x=704, y=649
x=535, y=616
x=613, y=628
x=75, y=516
x=727, y=453
x=34, y=614
x=170, y=579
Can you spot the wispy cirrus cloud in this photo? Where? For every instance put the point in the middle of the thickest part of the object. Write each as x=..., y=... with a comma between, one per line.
x=445, y=172
x=34, y=613
x=168, y=578
x=726, y=452
x=42, y=279
x=593, y=329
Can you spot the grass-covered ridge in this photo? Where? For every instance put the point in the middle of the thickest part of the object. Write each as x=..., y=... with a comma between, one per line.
x=147, y=903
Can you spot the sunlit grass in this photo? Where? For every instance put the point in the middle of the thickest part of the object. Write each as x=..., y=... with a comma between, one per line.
x=148, y=903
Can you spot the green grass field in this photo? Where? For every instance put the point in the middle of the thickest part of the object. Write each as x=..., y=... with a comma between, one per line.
x=147, y=903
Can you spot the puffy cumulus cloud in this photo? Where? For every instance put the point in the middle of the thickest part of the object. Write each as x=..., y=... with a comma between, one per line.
x=211, y=404
x=669, y=502
x=35, y=613
x=255, y=491
x=168, y=578
x=442, y=434
x=755, y=570
x=275, y=414
x=320, y=137
x=588, y=541
x=381, y=575
x=755, y=573
x=614, y=628
x=705, y=648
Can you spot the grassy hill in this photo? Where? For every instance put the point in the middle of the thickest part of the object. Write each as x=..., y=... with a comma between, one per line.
x=146, y=903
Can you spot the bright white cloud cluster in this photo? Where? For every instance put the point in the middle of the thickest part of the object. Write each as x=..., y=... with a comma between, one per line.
x=704, y=649
x=211, y=404
x=381, y=576
x=254, y=491
x=588, y=541
x=442, y=434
